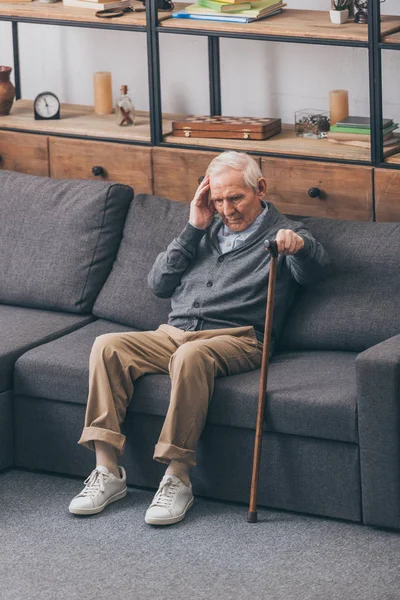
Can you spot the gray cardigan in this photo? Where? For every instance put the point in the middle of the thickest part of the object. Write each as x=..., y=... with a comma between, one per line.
x=209, y=290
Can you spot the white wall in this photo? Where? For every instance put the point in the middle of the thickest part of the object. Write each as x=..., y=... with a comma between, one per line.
x=258, y=78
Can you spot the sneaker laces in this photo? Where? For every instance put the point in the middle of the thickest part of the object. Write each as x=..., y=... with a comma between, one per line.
x=166, y=493
x=94, y=484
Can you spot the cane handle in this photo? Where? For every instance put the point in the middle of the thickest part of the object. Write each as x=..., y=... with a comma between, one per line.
x=272, y=247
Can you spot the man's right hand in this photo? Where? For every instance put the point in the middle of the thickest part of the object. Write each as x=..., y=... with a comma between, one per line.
x=202, y=209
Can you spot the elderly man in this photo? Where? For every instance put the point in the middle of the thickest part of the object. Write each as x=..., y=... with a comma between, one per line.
x=216, y=274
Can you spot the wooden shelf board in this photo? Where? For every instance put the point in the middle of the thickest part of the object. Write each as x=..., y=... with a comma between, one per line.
x=59, y=12
x=393, y=38
x=394, y=160
x=81, y=120
x=294, y=23
x=283, y=143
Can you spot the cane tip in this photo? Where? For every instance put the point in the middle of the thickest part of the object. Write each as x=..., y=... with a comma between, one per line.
x=252, y=517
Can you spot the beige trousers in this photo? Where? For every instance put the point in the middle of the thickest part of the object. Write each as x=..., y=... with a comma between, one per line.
x=192, y=359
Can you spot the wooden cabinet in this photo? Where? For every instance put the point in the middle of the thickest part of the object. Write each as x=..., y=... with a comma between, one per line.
x=308, y=188
x=24, y=153
x=82, y=159
x=176, y=172
x=387, y=195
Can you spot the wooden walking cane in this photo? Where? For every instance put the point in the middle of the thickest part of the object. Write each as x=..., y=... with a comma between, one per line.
x=273, y=250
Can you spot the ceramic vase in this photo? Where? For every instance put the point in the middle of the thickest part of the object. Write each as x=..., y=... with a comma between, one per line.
x=339, y=16
x=7, y=91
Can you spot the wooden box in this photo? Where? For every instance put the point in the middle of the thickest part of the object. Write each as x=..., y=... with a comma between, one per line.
x=235, y=128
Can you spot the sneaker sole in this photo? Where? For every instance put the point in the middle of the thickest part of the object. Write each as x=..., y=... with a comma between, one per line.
x=171, y=520
x=94, y=511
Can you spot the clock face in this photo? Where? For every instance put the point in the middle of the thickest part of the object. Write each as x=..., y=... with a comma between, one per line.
x=47, y=105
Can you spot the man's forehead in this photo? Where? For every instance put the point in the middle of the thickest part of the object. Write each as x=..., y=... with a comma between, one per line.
x=227, y=181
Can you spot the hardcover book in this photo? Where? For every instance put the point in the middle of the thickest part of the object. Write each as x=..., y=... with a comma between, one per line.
x=361, y=122
x=238, y=128
x=220, y=8
x=362, y=130
x=96, y=5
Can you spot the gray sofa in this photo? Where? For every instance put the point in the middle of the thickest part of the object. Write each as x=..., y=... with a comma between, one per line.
x=75, y=259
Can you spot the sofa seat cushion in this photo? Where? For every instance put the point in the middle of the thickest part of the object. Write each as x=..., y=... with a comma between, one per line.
x=25, y=328
x=58, y=240
x=310, y=393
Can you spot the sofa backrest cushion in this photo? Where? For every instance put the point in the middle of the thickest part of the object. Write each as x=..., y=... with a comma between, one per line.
x=152, y=223
x=58, y=240
x=358, y=305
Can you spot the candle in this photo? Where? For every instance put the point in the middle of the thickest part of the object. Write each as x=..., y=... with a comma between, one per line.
x=103, y=104
x=339, y=105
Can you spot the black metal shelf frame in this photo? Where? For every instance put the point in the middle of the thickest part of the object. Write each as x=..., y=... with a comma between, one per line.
x=153, y=29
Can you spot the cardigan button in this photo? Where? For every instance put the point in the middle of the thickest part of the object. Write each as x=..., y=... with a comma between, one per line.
x=209, y=283
x=196, y=304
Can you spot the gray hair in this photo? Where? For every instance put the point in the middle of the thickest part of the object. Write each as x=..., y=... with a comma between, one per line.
x=239, y=161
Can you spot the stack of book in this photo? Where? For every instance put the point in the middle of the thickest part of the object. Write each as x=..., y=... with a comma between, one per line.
x=233, y=11
x=97, y=5
x=356, y=131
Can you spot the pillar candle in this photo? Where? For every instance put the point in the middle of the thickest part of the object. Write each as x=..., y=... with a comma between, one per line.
x=339, y=105
x=103, y=104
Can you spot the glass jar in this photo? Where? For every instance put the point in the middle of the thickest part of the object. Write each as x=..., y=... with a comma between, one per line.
x=310, y=123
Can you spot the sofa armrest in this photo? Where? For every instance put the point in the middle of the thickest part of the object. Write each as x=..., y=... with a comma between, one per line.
x=378, y=401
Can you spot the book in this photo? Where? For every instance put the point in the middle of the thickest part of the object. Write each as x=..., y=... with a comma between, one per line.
x=219, y=7
x=361, y=122
x=196, y=9
x=339, y=136
x=222, y=17
x=390, y=147
x=245, y=16
x=362, y=131
x=97, y=5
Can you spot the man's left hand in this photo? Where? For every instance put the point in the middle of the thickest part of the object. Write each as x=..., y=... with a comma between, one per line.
x=288, y=242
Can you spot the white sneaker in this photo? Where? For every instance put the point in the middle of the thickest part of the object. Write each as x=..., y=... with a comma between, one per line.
x=101, y=488
x=171, y=502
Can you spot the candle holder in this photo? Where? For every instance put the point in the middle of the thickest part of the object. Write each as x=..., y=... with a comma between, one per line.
x=310, y=123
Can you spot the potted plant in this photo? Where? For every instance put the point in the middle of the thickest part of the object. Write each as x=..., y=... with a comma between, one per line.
x=340, y=11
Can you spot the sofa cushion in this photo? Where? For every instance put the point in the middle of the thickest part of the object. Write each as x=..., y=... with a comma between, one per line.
x=24, y=328
x=310, y=393
x=58, y=240
x=357, y=306
x=152, y=223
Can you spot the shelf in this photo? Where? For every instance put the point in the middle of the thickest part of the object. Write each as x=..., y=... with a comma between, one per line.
x=59, y=14
x=300, y=24
x=283, y=143
x=80, y=121
x=393, y=160
x=393, y=38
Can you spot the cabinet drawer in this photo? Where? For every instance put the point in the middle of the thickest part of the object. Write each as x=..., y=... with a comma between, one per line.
x=176, y=172
x=387, y=195
x=120, y=163
x=24, y=153
x=307, y=188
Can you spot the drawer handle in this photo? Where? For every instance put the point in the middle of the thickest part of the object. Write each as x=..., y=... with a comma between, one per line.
x=314, y=192
x=97, y=171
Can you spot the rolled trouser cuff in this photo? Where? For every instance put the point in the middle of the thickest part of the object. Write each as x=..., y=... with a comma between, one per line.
x=97, y=434
x=164, y=453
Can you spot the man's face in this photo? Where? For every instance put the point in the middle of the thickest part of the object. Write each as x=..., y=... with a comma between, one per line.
x=237, y=204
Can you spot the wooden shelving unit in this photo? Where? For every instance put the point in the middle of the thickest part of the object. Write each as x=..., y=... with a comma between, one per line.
x=284, y=143
x=301, y=24
x=98, y=139
x=36, y=11
x=81, y=121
